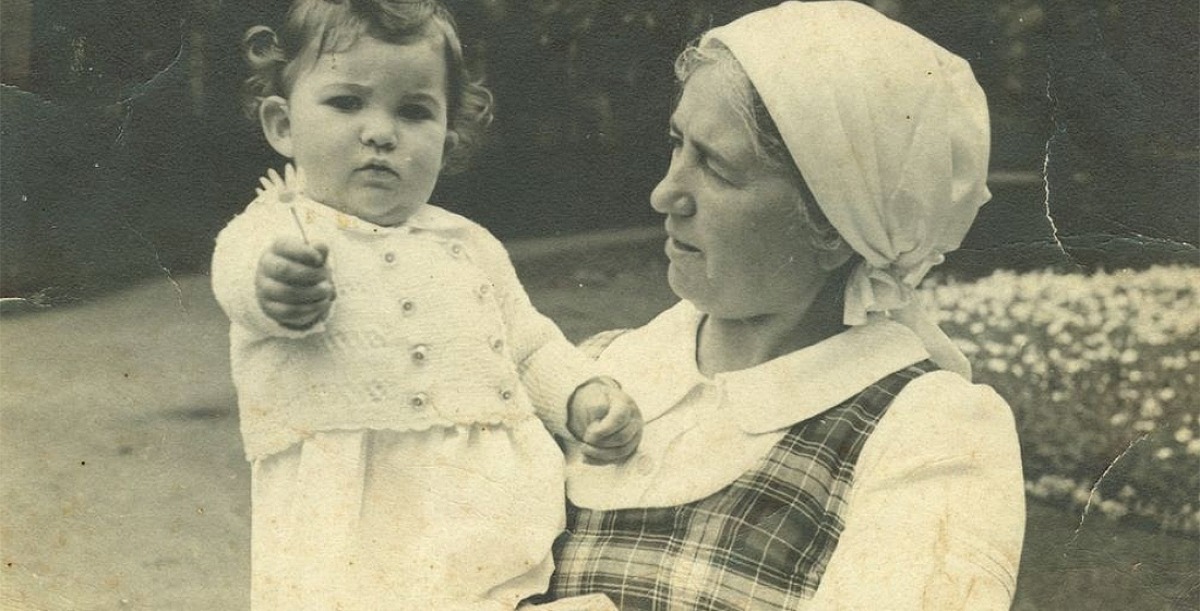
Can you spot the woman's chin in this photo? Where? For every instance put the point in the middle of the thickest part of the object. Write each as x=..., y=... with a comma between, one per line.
x=686, y=285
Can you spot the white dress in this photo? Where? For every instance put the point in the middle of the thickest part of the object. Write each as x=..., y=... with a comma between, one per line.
x=400, y=449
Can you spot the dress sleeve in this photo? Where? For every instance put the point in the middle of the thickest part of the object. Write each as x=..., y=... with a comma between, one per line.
x=936, y=516
x=235, y=260
x=551, y=368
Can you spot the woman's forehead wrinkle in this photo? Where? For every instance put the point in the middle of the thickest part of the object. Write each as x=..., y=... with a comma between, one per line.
x=712, y=124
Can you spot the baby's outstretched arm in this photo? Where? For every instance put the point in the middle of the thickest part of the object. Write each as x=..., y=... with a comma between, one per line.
x=292, y=283
x=605, y=420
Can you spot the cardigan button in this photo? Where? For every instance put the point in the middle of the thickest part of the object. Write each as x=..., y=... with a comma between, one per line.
x=408, y=306
x=419, y=400
x=420, y=353
x=506, y=394
x=390, y=257
x=497, y=344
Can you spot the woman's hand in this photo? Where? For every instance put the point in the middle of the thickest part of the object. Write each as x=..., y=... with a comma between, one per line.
x=605, y=420
x=293, y=284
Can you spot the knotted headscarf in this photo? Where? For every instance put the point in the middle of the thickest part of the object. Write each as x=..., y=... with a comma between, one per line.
x=889, y=130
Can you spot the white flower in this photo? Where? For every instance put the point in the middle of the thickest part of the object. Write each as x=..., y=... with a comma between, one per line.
x=1113, y=509
x=1151, y=408
x=1193, y=447
x=1166, y=394
x=1164, y=453
x=282, y=188
x=1081, y=495
x=1128, y=356
x=1183, y=435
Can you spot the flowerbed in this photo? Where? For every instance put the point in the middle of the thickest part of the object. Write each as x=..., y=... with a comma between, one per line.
x=1101, y=372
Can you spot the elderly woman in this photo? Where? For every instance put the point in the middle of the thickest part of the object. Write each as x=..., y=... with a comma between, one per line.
x=813, y=440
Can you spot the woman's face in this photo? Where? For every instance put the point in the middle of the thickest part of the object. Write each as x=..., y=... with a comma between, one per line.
x=738, y=244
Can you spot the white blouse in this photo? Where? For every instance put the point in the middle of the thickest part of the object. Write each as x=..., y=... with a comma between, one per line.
x=936, y=513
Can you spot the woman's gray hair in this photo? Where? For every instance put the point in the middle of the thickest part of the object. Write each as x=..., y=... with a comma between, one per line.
x=768, y=142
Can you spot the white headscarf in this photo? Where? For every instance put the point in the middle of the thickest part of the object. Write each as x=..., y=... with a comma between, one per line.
x=889, y=130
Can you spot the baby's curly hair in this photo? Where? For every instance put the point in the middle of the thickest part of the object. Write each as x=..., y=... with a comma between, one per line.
x=316, y=27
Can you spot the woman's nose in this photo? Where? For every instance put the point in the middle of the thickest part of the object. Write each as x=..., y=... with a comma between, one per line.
x=379, y=132
x=671, y=195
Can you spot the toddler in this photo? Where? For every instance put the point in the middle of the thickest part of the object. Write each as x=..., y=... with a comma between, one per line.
x=397, y=390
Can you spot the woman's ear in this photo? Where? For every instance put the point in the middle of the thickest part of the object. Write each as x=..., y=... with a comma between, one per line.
x=276, y=122
x=832, y=258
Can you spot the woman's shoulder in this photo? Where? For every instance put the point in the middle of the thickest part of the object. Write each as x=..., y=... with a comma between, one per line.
x=942, y=416
x=660, y=340
x=939, y=395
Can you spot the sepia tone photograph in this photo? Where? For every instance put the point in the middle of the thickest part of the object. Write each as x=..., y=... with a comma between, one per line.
x=599, y=304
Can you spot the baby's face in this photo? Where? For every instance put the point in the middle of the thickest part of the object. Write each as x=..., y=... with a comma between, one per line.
x=367, y=126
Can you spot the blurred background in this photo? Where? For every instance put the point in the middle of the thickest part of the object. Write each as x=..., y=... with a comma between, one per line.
x=124, y=151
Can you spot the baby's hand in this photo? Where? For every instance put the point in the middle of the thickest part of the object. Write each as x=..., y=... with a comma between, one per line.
x=292, y=283
x=605, y=419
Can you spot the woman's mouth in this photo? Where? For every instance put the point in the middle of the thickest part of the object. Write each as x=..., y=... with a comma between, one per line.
x=683, y=247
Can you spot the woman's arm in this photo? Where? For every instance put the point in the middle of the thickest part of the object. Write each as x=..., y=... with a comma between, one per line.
x=936, y=516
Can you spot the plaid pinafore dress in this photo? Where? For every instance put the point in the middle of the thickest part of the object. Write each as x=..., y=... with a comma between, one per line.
x=762, y=542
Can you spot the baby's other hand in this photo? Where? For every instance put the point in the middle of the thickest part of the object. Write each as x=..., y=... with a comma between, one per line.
x=293, y=284
x=605, y=419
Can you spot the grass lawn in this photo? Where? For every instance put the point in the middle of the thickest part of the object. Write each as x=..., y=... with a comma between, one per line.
x=124, y=485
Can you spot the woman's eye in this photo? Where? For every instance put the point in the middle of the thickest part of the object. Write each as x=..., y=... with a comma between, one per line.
x=416, y=112
x=715, y=170
x=345, y=102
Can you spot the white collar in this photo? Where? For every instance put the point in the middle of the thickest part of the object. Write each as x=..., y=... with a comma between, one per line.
x=657, y=365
